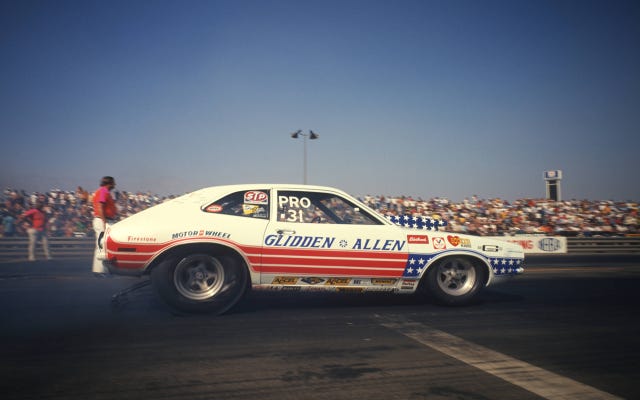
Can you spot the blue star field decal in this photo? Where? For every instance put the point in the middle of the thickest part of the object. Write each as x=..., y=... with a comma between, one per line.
x=506, y=265
x=417, y=222
x=415, y=265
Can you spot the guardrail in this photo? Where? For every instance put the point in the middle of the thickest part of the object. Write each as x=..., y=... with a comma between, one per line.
x=73, y=248
x=603, y=245
x=16, y=248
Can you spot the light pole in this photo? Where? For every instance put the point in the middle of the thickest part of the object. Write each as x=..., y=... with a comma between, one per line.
x=312, y=136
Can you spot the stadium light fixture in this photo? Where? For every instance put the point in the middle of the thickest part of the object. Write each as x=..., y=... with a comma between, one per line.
x=312, y=136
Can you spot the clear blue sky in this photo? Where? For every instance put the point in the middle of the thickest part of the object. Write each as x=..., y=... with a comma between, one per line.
x=423, y=98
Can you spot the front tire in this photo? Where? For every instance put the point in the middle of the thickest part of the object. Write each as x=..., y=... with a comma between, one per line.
x=455, y=281
x=200, y=282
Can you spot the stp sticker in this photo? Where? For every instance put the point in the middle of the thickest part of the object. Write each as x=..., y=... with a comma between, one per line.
x=256, y=197
x=439, y=243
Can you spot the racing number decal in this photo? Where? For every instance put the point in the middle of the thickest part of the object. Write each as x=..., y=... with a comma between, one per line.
x=293, y=207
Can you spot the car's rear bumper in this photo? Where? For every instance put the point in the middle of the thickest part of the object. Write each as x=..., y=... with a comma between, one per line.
x=115, y=270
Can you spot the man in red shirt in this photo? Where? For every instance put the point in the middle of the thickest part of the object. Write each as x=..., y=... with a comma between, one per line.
x=104, y=212
x=37, y=230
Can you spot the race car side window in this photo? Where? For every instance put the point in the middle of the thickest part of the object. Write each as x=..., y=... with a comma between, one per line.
x=325, y=208
x=246, y=203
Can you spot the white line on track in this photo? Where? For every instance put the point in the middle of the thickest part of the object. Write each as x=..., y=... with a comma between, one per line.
x=529, y=377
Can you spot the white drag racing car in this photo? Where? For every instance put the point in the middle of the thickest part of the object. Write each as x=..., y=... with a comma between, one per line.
x=204, y=250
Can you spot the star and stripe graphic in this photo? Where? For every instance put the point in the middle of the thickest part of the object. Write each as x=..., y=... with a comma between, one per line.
x=408, y=221
x=416, y=264
x=505, y=265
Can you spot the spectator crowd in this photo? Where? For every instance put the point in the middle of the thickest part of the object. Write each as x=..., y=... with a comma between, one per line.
x=69, y=213
x=497, y=217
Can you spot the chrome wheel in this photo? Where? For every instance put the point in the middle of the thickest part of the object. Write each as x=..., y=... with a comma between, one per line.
x=201, y=282
x=454, y=280
x=456, y=276
x=199, y=277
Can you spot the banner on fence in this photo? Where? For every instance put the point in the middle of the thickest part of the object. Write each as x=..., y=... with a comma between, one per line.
x=533, y=244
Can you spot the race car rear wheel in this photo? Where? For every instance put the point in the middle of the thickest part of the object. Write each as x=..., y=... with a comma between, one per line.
x=200, y=282
x=455, y=280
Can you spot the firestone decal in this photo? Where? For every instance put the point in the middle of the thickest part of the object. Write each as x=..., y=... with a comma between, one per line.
x=141, y=239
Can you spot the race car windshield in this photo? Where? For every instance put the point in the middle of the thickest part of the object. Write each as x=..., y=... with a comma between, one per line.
x=327, y=208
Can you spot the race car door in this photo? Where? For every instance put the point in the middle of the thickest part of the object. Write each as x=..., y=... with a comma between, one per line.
x=325, y=235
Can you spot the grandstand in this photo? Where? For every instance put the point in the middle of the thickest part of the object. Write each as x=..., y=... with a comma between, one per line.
x=69, y=213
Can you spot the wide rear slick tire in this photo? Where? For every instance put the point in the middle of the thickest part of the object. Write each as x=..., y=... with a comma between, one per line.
x=200, y=282
x=455, y=281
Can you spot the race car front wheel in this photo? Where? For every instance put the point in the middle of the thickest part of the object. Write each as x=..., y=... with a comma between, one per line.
x=200, y=283
x=454, y=280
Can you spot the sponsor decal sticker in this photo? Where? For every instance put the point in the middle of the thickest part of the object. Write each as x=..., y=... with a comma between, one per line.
x=418, y=239
x=454, y=240
x=378, y=244
x=465, y=243
x=317, y=242
x=200, y=233
x=491, y=248
x=408, y=284
x=337, y=281
x=284, y=280
x=323, y=242
x=312, y=280
x=248, y=209
x=439, y=243
x=141, y=239
x=256, y=197
x=214, y=208
x=383, y=281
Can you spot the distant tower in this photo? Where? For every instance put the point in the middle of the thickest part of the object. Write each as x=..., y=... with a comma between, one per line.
x=552, y=179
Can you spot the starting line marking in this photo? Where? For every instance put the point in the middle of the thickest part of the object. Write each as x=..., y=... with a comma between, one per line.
x=529, y=377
